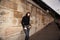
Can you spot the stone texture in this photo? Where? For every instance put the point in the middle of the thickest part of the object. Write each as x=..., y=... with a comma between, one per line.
x=13, y=11
x=9, y=4
x=18, y=14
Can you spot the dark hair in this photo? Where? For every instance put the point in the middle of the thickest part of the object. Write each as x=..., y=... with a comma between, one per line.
x=28, y=13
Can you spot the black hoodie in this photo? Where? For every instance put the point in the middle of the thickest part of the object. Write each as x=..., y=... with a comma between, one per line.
x=25, y=20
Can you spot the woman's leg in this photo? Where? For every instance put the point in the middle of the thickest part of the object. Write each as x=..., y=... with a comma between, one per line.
x=26, y=34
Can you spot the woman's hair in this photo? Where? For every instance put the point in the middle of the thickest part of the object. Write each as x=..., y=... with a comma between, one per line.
x=28, y=13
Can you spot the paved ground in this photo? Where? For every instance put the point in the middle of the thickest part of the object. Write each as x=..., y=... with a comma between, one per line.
x=50, y=32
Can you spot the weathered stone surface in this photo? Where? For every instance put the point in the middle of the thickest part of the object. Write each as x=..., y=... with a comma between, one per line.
x=9, y=4
x=18, y=14
x=13, y=11
x=28, y=7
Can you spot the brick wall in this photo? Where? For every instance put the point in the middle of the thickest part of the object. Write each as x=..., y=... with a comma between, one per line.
x=12, y=11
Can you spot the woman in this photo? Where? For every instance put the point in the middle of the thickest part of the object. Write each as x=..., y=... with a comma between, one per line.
x=26, y=25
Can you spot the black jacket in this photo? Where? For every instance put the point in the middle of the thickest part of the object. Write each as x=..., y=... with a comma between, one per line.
x=25, y=20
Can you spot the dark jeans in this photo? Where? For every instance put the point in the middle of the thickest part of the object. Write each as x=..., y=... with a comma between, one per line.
x=26, y=33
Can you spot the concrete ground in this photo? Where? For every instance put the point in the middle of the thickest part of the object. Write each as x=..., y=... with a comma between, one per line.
x=50, y=32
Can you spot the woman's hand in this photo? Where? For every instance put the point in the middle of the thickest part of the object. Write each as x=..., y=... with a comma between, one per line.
x=30, y=27
x=25, y=28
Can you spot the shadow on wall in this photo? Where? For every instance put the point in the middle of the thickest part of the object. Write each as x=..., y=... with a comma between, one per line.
x=57, y=21
x=50, y=32
x=1, y=38
x=0, y=0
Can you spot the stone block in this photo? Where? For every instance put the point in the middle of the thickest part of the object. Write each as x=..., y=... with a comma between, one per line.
x=17, y=1
x=28, y=7
x=12, y=30
x=18, y=14
x=33, y=11
x=9, y=4
x=38, y=10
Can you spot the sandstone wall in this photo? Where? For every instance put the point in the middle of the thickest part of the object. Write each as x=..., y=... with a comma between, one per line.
x=11, y=13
